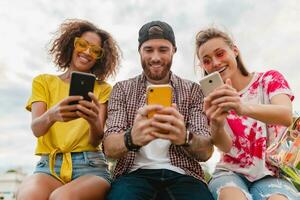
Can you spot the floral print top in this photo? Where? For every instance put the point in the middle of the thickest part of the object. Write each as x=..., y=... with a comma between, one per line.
x=251, y=137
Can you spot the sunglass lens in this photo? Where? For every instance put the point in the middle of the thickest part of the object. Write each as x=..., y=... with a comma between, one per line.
x=96, y=52
x=81, y=45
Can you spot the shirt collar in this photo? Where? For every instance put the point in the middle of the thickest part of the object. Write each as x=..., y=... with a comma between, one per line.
x=172, y=82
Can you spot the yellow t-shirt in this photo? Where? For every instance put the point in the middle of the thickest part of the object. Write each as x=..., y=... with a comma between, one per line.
x=63, y=137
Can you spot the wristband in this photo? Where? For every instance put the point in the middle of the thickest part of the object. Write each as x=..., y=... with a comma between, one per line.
x=128, y=141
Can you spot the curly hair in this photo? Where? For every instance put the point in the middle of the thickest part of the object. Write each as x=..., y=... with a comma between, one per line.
x=210, y=33
x=63, y=46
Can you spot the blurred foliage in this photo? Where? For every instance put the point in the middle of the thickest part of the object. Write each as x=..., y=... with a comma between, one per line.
x=11, y=171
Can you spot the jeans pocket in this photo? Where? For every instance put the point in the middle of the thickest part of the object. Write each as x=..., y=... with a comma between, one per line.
x=97, y=160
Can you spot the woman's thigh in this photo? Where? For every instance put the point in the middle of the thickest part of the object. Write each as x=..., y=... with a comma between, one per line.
x=85, y=187
x=225, y=179
x=37, y=186
x=268, y=186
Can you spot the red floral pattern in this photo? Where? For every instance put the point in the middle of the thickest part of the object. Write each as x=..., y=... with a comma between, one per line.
x=249, y=136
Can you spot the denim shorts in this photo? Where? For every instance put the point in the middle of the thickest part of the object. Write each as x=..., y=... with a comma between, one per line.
x=261, y=189
x=83, y=163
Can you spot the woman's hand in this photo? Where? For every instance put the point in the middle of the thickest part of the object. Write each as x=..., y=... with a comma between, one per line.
x=227, y=98
x=43, y=119
x=89, y=110
x=95, y=114
x=64, y=111
x=217, y=114
x=218, y=102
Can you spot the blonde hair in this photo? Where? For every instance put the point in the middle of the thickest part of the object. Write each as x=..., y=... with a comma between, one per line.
x=210, y=33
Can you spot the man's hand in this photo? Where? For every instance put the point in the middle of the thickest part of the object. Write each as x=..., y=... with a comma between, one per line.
x=170, y=125
x=142, y=128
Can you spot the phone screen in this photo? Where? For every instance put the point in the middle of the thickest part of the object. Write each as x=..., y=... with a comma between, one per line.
x=81, y=85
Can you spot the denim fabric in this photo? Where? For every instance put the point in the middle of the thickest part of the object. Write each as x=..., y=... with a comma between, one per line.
x=257, y=190
x=159, y=184
x=83, y=163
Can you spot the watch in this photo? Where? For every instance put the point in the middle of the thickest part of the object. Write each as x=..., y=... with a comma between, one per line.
x=128, y=141
x=188, y=139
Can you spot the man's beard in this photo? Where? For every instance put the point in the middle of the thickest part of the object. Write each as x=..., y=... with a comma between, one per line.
x=157, y=76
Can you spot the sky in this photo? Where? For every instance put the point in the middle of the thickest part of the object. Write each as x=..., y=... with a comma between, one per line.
x=266, y=32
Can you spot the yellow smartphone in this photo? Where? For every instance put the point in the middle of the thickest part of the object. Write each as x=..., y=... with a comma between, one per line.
x=159, y=95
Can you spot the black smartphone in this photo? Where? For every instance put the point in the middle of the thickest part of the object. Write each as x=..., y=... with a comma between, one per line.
x=81, y=84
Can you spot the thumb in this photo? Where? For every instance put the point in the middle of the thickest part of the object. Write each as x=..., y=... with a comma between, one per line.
x=228, y=82
x=174, y=106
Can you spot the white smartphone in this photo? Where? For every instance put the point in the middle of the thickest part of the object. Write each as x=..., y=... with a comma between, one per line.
x=211, y=82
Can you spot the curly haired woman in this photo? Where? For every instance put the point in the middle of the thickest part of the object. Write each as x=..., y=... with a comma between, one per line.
x=72, y=166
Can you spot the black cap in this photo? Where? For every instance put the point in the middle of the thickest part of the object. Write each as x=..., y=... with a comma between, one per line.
x=166, y=33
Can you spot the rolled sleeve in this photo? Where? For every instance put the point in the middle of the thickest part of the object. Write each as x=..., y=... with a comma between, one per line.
x=197, y=120
x=116, y=112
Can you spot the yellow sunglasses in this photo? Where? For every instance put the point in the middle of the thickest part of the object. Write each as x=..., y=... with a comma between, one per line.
x=82, y=45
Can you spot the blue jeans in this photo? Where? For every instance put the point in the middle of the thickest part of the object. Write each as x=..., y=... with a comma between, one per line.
x=257, y=190
x=83, y=163
x=159, y=184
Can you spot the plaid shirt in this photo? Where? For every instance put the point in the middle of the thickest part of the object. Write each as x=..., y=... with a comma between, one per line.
x=129, y=95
